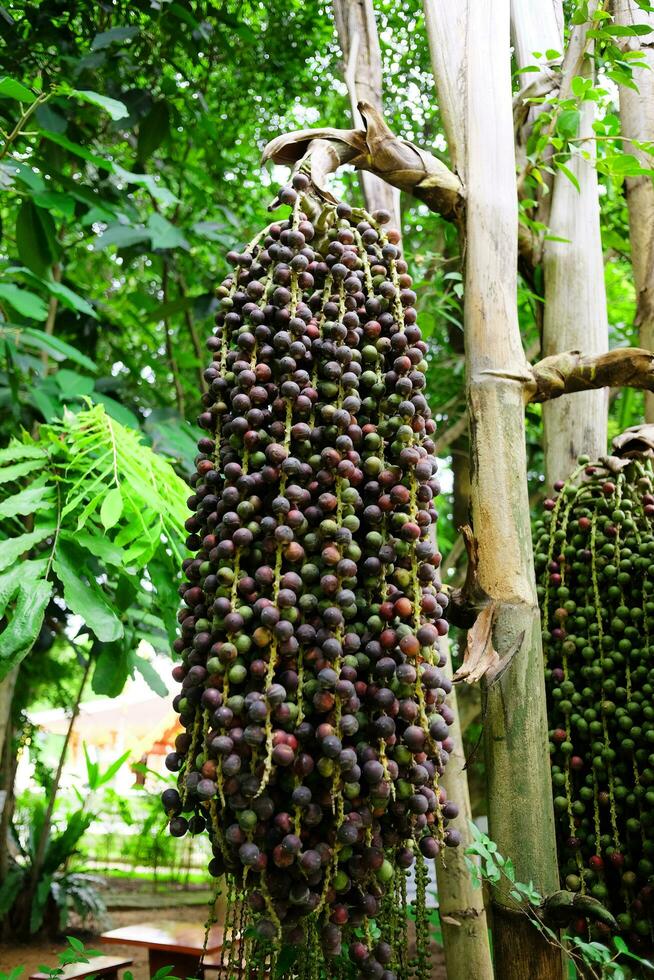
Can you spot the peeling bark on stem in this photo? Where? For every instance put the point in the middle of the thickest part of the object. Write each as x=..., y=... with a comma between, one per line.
x=359, y=40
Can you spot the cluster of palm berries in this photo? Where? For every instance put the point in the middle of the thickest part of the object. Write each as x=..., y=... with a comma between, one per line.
x=313, y=696
x=595, y=555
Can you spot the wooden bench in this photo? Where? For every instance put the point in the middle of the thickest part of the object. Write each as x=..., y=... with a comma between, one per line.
x=98, y=966
x=178, y=945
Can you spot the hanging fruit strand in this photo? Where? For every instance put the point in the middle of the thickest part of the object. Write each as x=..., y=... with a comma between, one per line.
x=313, y=701
x=594, y=547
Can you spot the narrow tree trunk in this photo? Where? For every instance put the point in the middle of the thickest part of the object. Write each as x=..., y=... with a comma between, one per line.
x=39, y=856
x=461, y=488
x=519, y=791
x=446, y=31
x=537, y=32
x=359, y=40
x=575, y=314
x=461, y=907
x=536, y=28
x=637, y=117
x=9, y=768
x=7, y=687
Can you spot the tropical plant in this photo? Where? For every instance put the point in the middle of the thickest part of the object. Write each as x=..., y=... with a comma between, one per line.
x=591, y=958
x=95, y=511
x=92, y=523
x=38, y=885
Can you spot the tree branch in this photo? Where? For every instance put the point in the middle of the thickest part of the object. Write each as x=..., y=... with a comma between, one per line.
x=377, y=150
x=450, y=435
x=563, y=374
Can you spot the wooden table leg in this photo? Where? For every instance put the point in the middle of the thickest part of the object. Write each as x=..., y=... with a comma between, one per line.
x=184, y=965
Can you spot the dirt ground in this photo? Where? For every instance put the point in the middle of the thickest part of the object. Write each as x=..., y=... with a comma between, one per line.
x=32, y=956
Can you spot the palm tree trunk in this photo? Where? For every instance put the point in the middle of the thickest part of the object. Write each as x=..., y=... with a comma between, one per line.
x=637, y=117
x=7, y=688
x=519, y=792
x=359, y=40
x=461, y=907
x=575, y=299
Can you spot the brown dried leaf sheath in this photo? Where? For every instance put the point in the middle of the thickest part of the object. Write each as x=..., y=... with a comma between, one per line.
x=637, y=440
x=376, y=149
x=480, y=656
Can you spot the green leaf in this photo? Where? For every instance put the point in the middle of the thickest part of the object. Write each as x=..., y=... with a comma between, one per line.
x=41, y=400
x=17, y=639
x=15, y=974
x=54, y=201
x=77, y=944
x=164, y=973
x=161, y=311
x=77, y=150
x=20, y=171
x=113, y=36
x=153, y=130
x=13, y=472
x=27, y=303
x=83, y=596
x=9, y=890
x=47, y=118
x=580, y=86
x=111, y=771
x=27, y=501
x=111, y=670
x=148, y=673
x=117, y=110
x=117, y=410
x=39, y=902
x=72, y=384
x=164, y=234
x=10, y=88
x=122, y=236
x=161, y=194
x=631, y=30
x=214, y=231
x=569, y=174
x=21, y=450
x=12, y=549
x=567, y=123
x=112, y=508
x=98, y=545
x=68, y=298
x=35, y=238
x=58, y=349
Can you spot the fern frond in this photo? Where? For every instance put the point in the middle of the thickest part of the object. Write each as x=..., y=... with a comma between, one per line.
x=95, y=506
